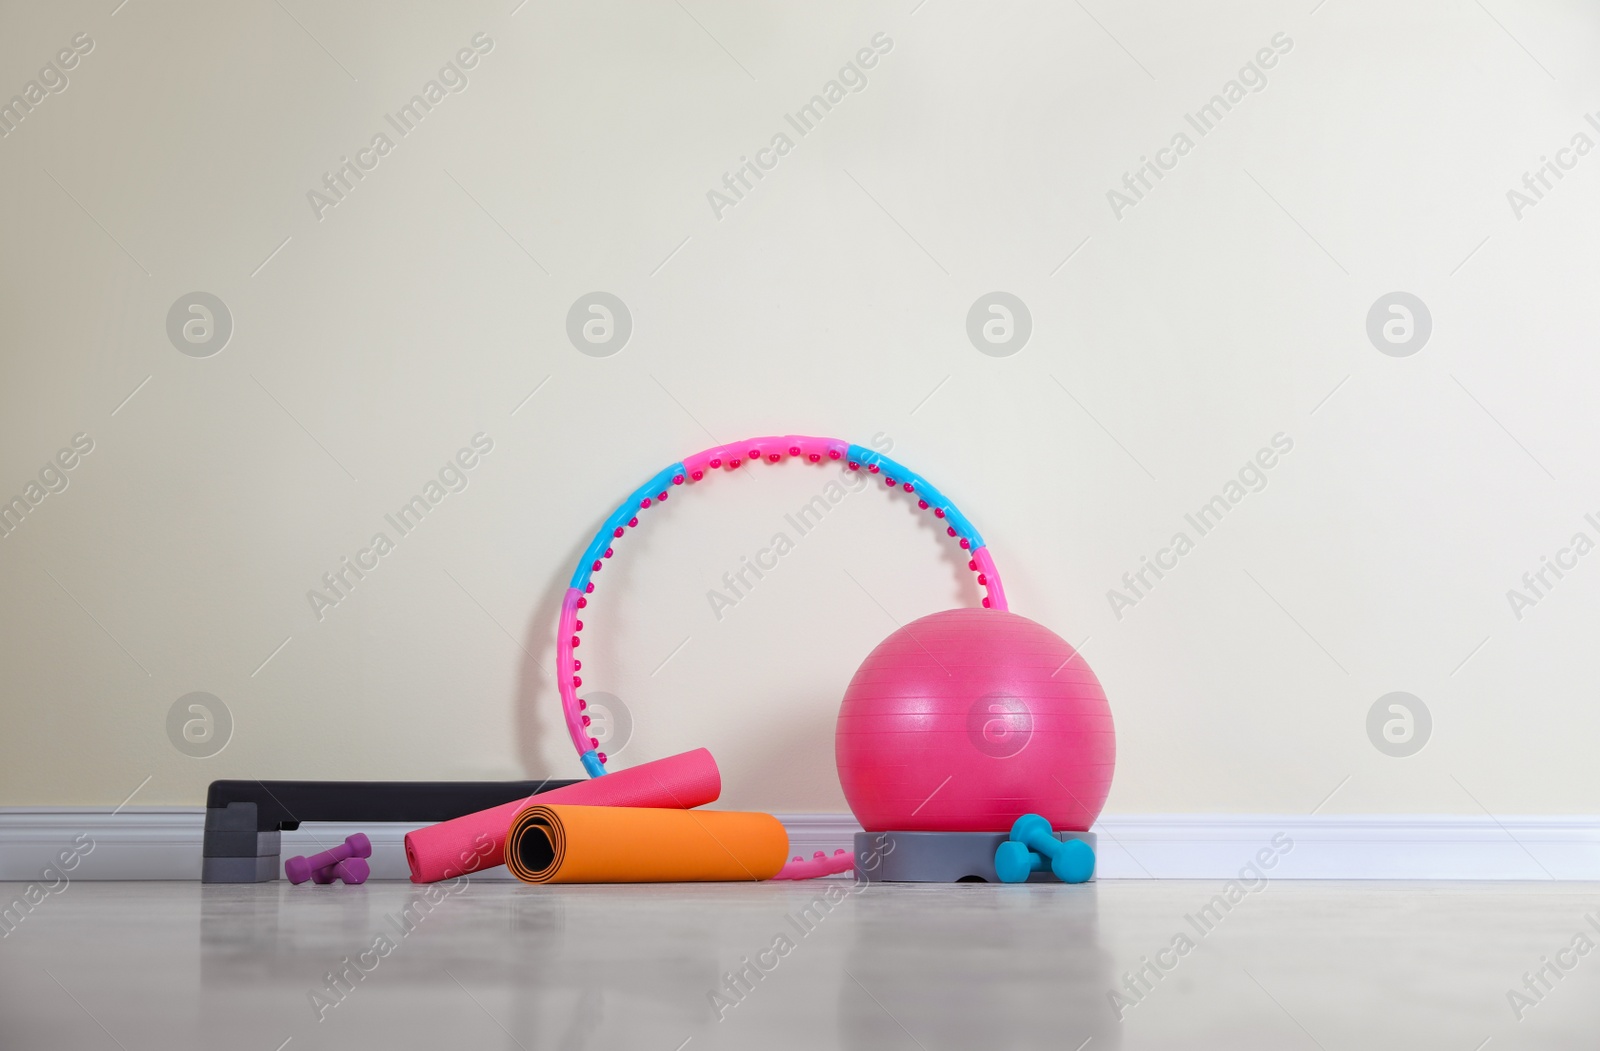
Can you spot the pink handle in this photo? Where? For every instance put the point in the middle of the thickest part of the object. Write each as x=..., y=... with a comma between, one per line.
x=819, y=865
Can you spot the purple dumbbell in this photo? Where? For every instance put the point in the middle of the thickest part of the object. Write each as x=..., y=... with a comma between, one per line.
x=351, y=871
x=301, y=869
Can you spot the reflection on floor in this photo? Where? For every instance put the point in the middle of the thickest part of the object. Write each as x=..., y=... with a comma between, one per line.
x=497, y=965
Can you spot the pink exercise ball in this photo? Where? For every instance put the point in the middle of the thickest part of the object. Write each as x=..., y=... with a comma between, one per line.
x=965, y=720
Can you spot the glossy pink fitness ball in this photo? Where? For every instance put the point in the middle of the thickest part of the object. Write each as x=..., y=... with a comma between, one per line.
x=965, y=720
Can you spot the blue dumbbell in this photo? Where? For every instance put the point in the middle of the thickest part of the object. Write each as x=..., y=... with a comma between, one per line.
x=1031, y=842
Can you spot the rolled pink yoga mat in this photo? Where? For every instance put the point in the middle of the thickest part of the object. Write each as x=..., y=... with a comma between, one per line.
x=475, y=842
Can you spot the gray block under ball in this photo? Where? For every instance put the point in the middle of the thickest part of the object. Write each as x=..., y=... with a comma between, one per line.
x=939, y=857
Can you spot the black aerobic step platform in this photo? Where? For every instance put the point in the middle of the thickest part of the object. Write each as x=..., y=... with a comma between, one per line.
x=245, y=819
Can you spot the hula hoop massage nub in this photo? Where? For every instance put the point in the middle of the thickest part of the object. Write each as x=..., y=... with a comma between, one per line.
x=732, y=457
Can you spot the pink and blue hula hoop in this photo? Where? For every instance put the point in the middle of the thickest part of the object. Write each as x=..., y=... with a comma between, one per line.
x=732, y=456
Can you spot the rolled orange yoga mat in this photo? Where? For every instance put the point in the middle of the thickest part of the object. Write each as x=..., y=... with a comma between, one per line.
x=477, y=841
x=553, y=843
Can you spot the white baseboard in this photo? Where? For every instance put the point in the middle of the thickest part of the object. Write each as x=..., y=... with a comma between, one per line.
x=164, y=843
x=1363, y=847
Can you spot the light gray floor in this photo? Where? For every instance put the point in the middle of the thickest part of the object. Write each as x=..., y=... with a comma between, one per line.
x=497, y=965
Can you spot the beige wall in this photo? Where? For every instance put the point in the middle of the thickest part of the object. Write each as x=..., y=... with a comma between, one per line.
x=1227, y=306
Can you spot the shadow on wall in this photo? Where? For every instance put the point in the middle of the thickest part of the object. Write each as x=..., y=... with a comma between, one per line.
x=536, y=685
x=784, y=758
